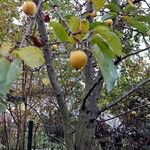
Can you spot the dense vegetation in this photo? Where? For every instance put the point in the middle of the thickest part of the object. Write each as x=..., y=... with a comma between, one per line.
x=80, y=70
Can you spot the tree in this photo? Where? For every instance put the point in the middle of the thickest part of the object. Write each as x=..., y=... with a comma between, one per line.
x=76, y=97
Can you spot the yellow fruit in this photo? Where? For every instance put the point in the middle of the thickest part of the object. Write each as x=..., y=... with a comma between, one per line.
x=29, y=8
x=78, y=59
x=46, y=81
x=109, y=22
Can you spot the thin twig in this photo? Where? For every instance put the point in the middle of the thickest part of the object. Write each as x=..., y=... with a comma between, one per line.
x=124, y=113
x=131, y=54
x=44, y=123
x=123, y=97
x=148, y=5
x=55, y=8
x=28, y=30
x=100, y=78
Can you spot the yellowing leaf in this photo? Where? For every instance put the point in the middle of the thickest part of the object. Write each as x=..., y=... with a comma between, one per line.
x=74, y=23
x=130, y=3
x=4, y=68
x=71, y=40
x=46, y=81
x=98, y=4
x=31, y=55
x=21, y=106
x=84, y=26
x=5, y=49
x=78, y=36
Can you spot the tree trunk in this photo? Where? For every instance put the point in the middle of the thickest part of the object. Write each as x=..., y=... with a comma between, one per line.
x=5, y=134
x=68, y=134
x=85, y=131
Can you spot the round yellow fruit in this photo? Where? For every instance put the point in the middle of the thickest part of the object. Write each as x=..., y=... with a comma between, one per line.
x=109, y=22
x=29, y=8
x=78, y=59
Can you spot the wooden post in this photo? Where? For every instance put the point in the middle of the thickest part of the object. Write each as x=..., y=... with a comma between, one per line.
x=30, y=133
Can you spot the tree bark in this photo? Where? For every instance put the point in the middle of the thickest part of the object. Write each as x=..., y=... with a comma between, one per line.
x=85, y=131
x=55, y=85
x=6, y=141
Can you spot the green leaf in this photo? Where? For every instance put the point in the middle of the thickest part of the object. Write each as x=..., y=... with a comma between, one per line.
x=56, y=2
x=113, y=15
x=130, y=3
x=8, y=73
x=2, y=146
x=138, y=25
x=71, y=40
x=98, y=4
x=31, y=55
x=109, y=70
x=111, y=38
x=103, y=45
x=74, y=23
x=2, y=107
x=4, y=67
x=113, y=7
x=14, y=71
x=95, y=24
x=46, y=5
x=60, y=31
x=142, y=18
x=4, y=88
x=129, y=9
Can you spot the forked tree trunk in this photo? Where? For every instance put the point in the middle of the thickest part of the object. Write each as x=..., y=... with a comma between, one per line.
x=85, y=131
x=69, y=140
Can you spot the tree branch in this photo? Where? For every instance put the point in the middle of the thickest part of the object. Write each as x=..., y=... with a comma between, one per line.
x=124, y=113
x=90, y=91
x=32, y=19
x=54, y=82
x=60, y=16
x=128, y=55
x=100, y=78
x=32, y=107
x=148, y=5
x=123, y=97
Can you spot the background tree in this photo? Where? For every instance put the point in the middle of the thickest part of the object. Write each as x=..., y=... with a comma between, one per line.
x=70, y=103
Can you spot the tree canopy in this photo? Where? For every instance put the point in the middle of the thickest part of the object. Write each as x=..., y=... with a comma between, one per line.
x=73, y=101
